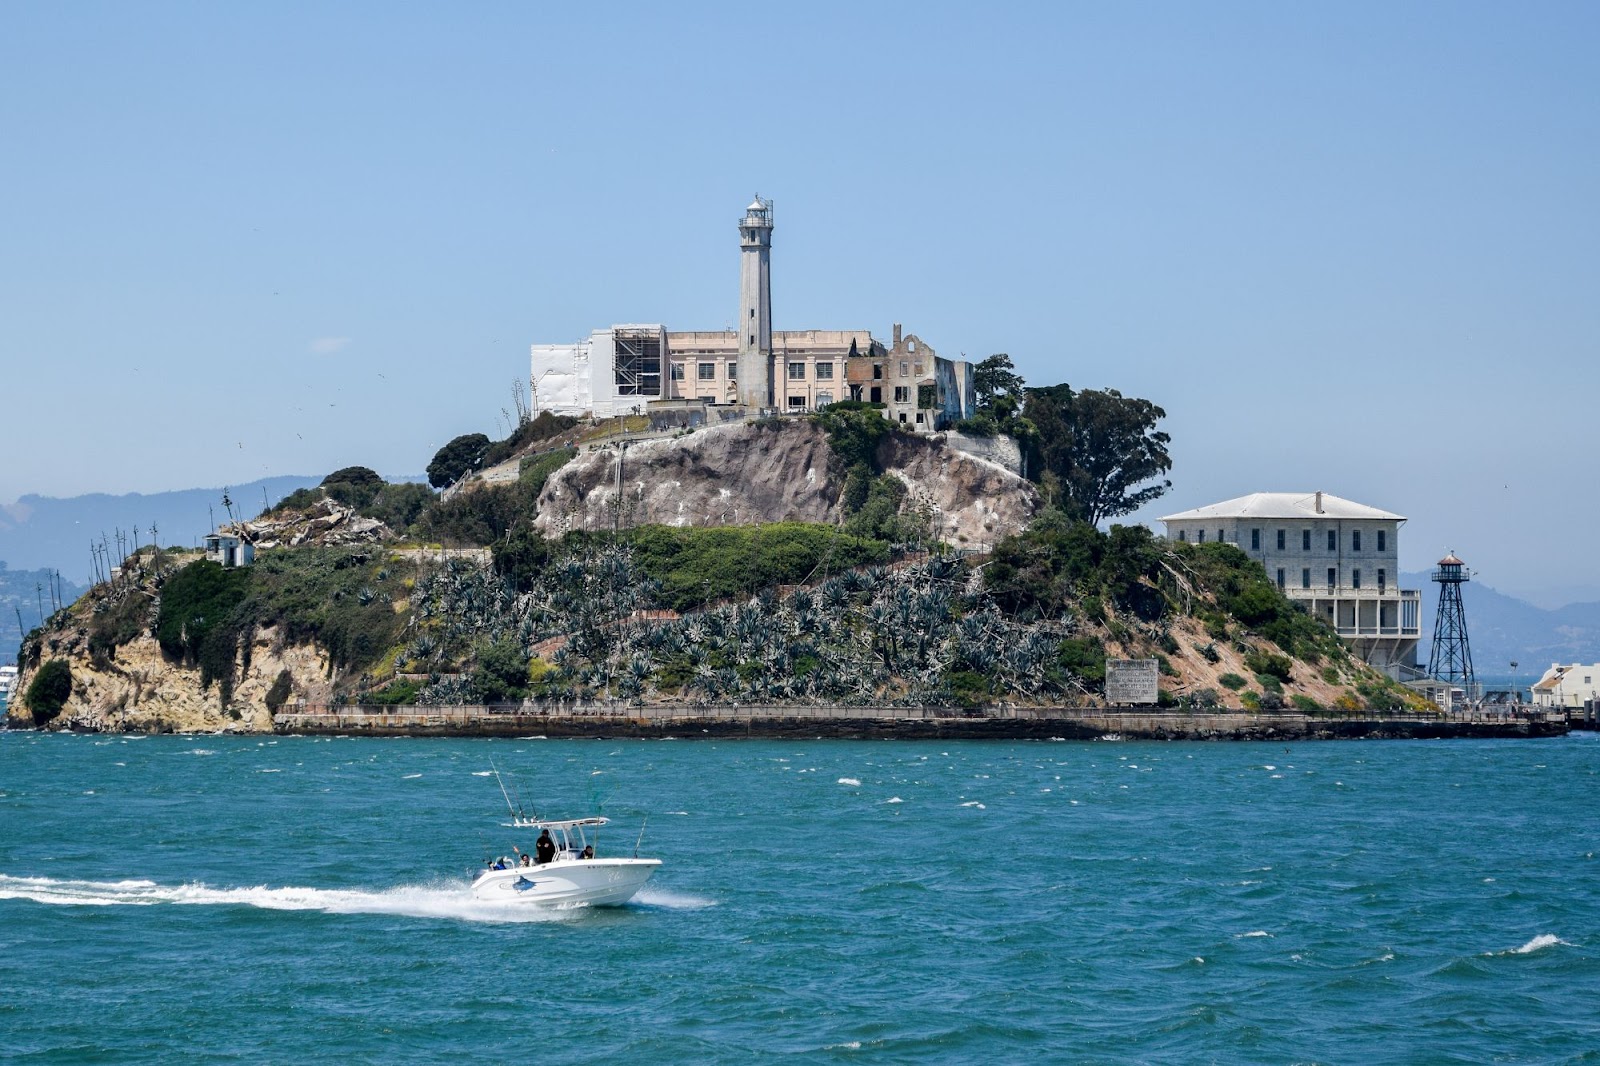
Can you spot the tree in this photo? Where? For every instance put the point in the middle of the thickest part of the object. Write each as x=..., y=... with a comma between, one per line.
x=1100, y=446
x=461, y=456
x=353, y=486
x=996, y=386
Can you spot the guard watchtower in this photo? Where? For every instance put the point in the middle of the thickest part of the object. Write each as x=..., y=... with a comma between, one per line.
x=1451, y=660
x=755, y=305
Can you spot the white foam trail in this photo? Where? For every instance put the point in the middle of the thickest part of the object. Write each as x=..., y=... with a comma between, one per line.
x=851, y=781
x=410, y=777
x=894, y=799
x=453, y=902
x=678, y=901
x=1253, y=932
x=1538, y=943
x=974, y=803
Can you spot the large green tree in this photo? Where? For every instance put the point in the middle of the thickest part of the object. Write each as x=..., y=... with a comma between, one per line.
x=1101, y=449
x=996, y=386
x=460, y=456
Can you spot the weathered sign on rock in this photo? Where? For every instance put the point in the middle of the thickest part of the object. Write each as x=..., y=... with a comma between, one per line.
x=1131, y=681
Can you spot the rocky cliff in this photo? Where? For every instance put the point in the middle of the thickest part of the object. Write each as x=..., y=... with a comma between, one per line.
x=774, y=471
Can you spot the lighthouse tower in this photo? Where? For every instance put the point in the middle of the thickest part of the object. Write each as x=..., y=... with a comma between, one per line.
x=1451, y=661
x=755, y=305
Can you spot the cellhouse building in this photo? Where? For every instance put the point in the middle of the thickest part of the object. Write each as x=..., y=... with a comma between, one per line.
x=1336, y=558
x=633, y=368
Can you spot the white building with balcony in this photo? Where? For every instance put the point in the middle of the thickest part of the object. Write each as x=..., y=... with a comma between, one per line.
x=1336, y=558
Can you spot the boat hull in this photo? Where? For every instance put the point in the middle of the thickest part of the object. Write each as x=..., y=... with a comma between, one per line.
x=567, y=883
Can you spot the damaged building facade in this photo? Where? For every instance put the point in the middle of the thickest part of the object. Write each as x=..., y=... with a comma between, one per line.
x=631, y=368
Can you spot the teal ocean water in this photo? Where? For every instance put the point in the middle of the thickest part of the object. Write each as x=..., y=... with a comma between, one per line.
x=296, y=899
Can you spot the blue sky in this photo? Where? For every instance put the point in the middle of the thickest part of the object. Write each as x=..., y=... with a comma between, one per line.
x=1349, y=247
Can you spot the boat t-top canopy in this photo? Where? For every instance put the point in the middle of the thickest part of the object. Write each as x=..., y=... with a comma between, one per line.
x=545, y=823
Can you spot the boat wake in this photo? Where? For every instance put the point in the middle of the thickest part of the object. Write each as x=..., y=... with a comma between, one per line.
x=448, y=902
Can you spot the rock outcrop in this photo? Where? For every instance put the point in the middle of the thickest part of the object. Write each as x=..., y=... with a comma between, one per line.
x=326, y=522
x=775, y=471
x=144, y=691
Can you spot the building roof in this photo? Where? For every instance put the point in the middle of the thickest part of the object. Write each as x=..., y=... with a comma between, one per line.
x=1285, y=505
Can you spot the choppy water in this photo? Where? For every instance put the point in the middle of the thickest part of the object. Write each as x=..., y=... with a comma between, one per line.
x=279, y=900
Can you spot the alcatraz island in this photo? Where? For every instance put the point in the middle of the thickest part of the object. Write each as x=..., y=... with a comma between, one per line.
x=753, y=532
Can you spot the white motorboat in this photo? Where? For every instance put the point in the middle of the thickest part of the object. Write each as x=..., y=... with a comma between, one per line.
x=574, y=877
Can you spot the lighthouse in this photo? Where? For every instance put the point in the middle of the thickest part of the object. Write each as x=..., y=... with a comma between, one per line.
x=755, y=305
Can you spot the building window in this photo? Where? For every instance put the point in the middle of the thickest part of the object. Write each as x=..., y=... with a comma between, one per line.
x=911, y=346
x=1183, y=536
x=796, y=402
x=797, y=371
x=824, y=399
x=1199, y=536
x=917, y=369
x=824, y=371
x=876, y=395
x=905, y=368
x=1355, y=579
x=1280, y=577
x=1333, y=540
x=677, y=371
x=752, y=312
x=1221, y=538
x=733, y=370
x=1383, y=579
x=877, y=371
x=902, y=394
x=752, y=340
x=1255, y=543
x=1382, y=540
x=1305, y=540
x=902, y=418
x=708, y=371
x=1283, y=538
x=919, y=418
x=1305, y=577
x=1333, y=577
x=1355, y=540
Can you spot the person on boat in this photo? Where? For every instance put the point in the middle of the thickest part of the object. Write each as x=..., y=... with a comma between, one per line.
x=527, y=860
x=588, y=851
x=545, y=849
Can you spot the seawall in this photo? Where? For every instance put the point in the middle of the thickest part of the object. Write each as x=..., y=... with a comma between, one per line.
x=910, y=723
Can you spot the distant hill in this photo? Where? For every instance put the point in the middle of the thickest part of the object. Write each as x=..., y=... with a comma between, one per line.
x=45, y=532
x=20, y=593
x=1504, y=629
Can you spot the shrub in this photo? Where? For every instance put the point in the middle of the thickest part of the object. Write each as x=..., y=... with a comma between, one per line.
x=1165, y=667
x=854, y=430
x=1232, y=681
x=1083, y=658
x=1204, y=697
x=395, y=693
x=1251, y=701
x=1269, y=683
x=1330, y=674
x=298, y=500
x=1262, y=662
x=1302, y=702
x=545, y=426
x=1208, y=652
x=49, y=691
x=968, y=688
x=697, y=565
x=1347, y=702
x=501, y=673
x=1271, y=701
x=199, y=622
x=399, y=506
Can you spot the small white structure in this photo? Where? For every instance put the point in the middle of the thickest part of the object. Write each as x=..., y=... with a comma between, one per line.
x=229, y=549
x=1336, y=558
x=610, y=373
x=1567, y=686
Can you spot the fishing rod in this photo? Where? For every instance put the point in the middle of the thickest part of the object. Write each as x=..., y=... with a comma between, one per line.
x=515, y=812
x=636, y=843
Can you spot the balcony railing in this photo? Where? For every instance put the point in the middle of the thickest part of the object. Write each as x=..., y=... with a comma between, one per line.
x=1346, y=592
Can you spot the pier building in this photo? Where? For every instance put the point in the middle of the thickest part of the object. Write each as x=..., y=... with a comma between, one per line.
x=629, y=368
x=1568, y=687
x=1333, y=557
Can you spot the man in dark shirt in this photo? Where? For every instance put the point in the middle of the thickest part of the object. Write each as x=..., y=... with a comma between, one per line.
x=544, y=850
